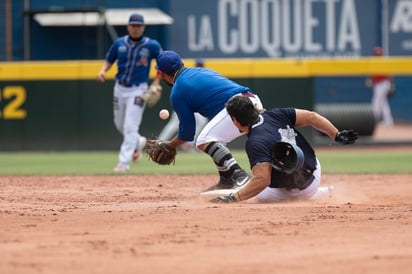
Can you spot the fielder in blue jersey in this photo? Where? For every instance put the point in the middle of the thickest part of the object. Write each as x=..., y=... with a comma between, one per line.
x=275, y=180
x=204, y=91
x=133, y=53
x=170, y=129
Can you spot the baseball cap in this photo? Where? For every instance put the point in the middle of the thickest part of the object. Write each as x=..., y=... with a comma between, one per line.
x=200, y=62
x=136, y=19
x=168, y=61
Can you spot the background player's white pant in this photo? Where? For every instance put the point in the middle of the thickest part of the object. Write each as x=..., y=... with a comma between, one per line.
x=380, y=102
x=128, y=113
x=221, y=128
x=171, y=128
x=270, y=195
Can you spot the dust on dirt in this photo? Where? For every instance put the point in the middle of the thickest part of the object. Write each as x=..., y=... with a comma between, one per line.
x=159, y=224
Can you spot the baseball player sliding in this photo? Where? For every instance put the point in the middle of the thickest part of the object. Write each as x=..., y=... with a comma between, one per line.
x=134, y=53
x=283, y=163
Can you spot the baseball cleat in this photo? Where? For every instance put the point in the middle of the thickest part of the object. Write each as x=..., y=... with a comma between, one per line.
x=224, y=183
x=121, y=169
x=136, y=155
x=238, y=179
x=138, y=152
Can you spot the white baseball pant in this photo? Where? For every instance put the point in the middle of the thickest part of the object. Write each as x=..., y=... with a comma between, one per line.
x=127, y=114
x=221, y=128
x=270, y=195
x=380, y=102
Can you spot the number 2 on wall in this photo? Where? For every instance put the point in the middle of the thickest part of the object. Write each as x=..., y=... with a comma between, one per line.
x=12, y=109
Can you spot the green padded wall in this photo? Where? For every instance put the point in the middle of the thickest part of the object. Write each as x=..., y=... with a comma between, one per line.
x=77, y=114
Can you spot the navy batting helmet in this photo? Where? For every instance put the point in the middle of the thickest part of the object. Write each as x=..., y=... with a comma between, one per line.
x=287, y=157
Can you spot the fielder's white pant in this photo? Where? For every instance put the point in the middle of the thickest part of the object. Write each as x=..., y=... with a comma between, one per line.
x=270, y=195
x=127, y=115
x=380, y=104
x=221, y=128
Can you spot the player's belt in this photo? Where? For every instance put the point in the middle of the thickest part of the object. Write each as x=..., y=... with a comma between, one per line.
x=308, y=182
x=123, y=84
x=309, y=178
x=305, y=180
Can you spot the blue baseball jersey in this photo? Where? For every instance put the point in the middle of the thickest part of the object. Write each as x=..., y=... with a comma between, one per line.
x=200, y=90
x=133, y=60
x=273, y=126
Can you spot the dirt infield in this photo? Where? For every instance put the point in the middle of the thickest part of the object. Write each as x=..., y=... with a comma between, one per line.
x=153, y=224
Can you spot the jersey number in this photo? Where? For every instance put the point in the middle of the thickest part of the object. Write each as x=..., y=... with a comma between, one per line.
x=12, y=109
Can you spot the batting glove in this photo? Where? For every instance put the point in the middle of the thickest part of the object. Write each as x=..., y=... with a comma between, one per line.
x=225, y=199
x=346, y=136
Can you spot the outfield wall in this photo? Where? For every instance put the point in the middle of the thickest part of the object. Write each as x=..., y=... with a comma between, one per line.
x=59, y=105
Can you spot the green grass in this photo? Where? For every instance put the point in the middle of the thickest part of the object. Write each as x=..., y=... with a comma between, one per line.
x=102, y=163
x=366, y=162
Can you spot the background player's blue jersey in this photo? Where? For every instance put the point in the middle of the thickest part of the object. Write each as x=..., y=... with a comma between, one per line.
x=133, y=60
x=200, y=90
x=273, y=126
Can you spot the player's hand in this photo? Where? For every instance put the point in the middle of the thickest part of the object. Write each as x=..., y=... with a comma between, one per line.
x=152, y=95
x=225, y=199
x=346, y=136
x=100, y=77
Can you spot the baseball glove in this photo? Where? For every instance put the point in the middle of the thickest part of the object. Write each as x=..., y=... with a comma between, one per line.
x=160, y=152
x=152, y=95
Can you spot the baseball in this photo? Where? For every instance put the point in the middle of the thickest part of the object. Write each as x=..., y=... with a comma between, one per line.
x=164, y=114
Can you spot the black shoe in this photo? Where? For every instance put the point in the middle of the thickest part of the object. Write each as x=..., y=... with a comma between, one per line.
x=224, y=183
x=238, y=179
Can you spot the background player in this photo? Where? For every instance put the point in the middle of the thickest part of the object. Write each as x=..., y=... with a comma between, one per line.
x=381, y=86
x=266, y=129
x=134, y=53
x=170, y=129
x=204, y=91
